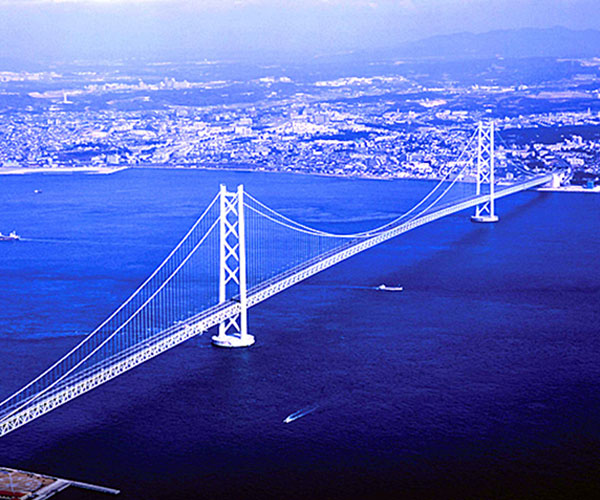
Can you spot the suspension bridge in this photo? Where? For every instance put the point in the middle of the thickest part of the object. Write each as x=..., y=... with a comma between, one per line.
x=231, y=259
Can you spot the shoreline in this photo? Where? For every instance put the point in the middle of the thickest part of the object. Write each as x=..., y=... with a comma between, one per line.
x=66, y=170
x=365, y=176
x=570, y=189
x=291, y=172
x=110, y=170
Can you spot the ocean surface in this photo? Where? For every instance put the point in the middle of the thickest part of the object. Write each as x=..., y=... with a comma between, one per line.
x=480, y=380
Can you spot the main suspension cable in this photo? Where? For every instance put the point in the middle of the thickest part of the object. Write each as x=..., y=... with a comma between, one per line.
x=274, y=215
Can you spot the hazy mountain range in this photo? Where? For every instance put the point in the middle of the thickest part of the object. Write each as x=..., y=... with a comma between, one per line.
x=518, y=43
x=527, y=42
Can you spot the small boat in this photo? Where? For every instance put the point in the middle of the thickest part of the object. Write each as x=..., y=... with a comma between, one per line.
x=37, y=191
x=390, y=288
x=299, y=414
x=10, y=237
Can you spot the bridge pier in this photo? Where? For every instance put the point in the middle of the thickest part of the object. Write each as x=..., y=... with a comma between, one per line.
x=485, y=212
x=233, y=332
x=484, y=218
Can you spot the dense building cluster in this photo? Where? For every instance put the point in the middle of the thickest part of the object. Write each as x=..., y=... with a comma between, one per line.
x=382, y=126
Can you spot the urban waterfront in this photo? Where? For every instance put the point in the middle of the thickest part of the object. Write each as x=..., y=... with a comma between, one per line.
x=480, y=379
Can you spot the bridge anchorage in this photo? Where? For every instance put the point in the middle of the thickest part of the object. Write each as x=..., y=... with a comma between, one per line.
x=233, y=331
x=484, y=212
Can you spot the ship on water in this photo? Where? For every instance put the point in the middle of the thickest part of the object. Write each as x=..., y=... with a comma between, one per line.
x=12, y=236
x=390, y=288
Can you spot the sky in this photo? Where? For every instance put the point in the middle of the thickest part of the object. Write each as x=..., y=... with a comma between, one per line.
x=161, y=29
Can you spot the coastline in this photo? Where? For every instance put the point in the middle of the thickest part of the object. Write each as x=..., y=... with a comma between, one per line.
x=570, y=189
x=363, y=176
x=66, y=170
x=212, y=168
x=294, y=172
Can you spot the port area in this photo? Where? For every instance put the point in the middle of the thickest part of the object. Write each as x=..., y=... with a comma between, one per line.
x=571, y=189
x=61, y=170
x=23, y=485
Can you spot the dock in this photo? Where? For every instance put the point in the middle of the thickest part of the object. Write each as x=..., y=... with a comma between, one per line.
x=23, y=485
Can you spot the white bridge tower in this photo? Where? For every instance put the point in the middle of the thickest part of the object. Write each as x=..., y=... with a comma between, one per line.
x=485, y=173
x=233, y=332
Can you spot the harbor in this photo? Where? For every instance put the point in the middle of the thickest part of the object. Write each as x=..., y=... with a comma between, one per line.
x=23, y=485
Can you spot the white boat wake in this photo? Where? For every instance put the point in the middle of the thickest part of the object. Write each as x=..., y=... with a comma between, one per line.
x=299, y=414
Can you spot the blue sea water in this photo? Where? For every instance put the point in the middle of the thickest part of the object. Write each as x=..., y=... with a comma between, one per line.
x=480, y=380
